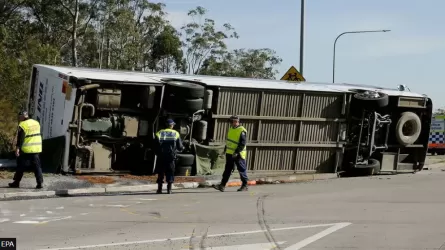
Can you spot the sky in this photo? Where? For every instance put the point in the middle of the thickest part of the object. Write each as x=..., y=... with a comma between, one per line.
x=412, y=53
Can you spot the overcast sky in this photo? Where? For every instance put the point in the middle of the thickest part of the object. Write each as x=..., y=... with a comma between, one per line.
x=412, y=53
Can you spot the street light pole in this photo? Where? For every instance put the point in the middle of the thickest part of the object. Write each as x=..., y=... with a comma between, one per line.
x=349, y=32
x=301, y=37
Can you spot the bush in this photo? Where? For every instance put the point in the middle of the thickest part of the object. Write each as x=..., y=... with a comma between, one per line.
x=8, y=128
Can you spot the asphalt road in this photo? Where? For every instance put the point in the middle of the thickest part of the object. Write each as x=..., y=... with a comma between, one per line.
x=384, y=212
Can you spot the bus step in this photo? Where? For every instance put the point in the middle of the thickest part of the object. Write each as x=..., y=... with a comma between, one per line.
x=405, y=166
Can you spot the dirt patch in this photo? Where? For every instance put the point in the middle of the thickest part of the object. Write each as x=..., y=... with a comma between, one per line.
x=97, y=179
x=153, y=178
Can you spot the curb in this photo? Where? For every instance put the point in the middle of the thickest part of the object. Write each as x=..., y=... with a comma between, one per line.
x=95, y=190
x=154, y=187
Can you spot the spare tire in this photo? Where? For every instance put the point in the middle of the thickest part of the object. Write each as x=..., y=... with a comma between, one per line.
x=185, y=159
x=408, y=128
x=371, y=99
x=184, y=89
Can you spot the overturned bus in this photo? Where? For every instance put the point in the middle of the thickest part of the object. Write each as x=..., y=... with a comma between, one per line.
x=104, y=121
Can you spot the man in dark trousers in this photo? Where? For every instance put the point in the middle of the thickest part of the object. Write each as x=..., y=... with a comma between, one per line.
x=235, y=154
x=28, y=148
x=169, y=144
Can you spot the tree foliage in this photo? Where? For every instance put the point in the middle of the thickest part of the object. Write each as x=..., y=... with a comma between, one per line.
x=252, y=63
x=112, y=34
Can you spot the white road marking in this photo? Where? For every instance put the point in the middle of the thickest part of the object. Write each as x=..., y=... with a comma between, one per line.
x=56, y=219
x=144, y=199
x=49, y=212
x=308, y=240
x=4, y=220
x=117, y=205
x=318, y=236
x=27, y=222
x=83, y=213
x=41, y=222
x=262, y=246
x=59, y=208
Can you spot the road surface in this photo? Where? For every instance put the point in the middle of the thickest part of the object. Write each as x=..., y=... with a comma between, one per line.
x=384, y=212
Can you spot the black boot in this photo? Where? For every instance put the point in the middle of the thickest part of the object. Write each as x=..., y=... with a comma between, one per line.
x=243, y=188
x=159, y=191
x=39, y=186
x=14, y=185
x=219, y=187
x=169, y=188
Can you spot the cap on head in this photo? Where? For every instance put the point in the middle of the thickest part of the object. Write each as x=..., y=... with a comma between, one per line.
x=23, y=113
x=170, y=122
x=234, y=118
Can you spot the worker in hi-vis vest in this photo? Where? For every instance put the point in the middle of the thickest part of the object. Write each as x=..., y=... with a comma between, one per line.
x=169, y=145
x=235, y=154
x=28, y=148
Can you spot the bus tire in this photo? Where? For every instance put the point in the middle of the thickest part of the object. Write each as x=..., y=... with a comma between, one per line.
x=190, y=105
x=182, y=106
x=411, y=134
x=368, y=101
x=185, y=159
x=185, y=90
x=372, y=168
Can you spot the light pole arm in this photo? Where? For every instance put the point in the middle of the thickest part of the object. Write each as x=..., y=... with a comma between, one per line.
x=335, y=44
x=333, y=57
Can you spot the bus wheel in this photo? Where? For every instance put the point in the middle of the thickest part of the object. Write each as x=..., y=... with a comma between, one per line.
x=183, y=89
x=371, y=99
x=408, y=128
x=372, y=168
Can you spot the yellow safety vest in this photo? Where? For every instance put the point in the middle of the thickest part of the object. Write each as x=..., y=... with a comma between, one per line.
x=167, y=135
x=33, y=138
x=232, y=141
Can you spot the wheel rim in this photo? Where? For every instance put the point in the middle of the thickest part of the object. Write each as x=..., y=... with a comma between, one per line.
x=408, y=129
x=370, y=94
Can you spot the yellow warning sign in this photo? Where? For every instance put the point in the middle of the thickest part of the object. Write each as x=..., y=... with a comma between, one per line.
x=293, y=75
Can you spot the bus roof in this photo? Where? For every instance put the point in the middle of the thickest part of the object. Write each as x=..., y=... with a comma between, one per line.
x=218, y=81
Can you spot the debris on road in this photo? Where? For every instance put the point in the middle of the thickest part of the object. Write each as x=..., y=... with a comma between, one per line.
x=97, y=179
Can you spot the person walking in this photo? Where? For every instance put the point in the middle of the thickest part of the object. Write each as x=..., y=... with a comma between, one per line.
x=28, y=149
x=169, y=144
x=235, y=154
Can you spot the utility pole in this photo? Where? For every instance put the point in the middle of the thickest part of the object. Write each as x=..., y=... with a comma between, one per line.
x=302, y=37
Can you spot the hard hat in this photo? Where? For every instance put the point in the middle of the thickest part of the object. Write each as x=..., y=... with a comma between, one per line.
x=23, y=113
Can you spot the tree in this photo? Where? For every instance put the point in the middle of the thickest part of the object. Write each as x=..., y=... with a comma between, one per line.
x=252, y=63
x=115, y=34
x=8, y=8
x=202, y=39
x=167, y=54
x=81, y=13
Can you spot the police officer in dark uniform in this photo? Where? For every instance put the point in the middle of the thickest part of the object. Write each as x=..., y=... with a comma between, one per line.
x=169, y=144
x=28, y=148
x=235, y=154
